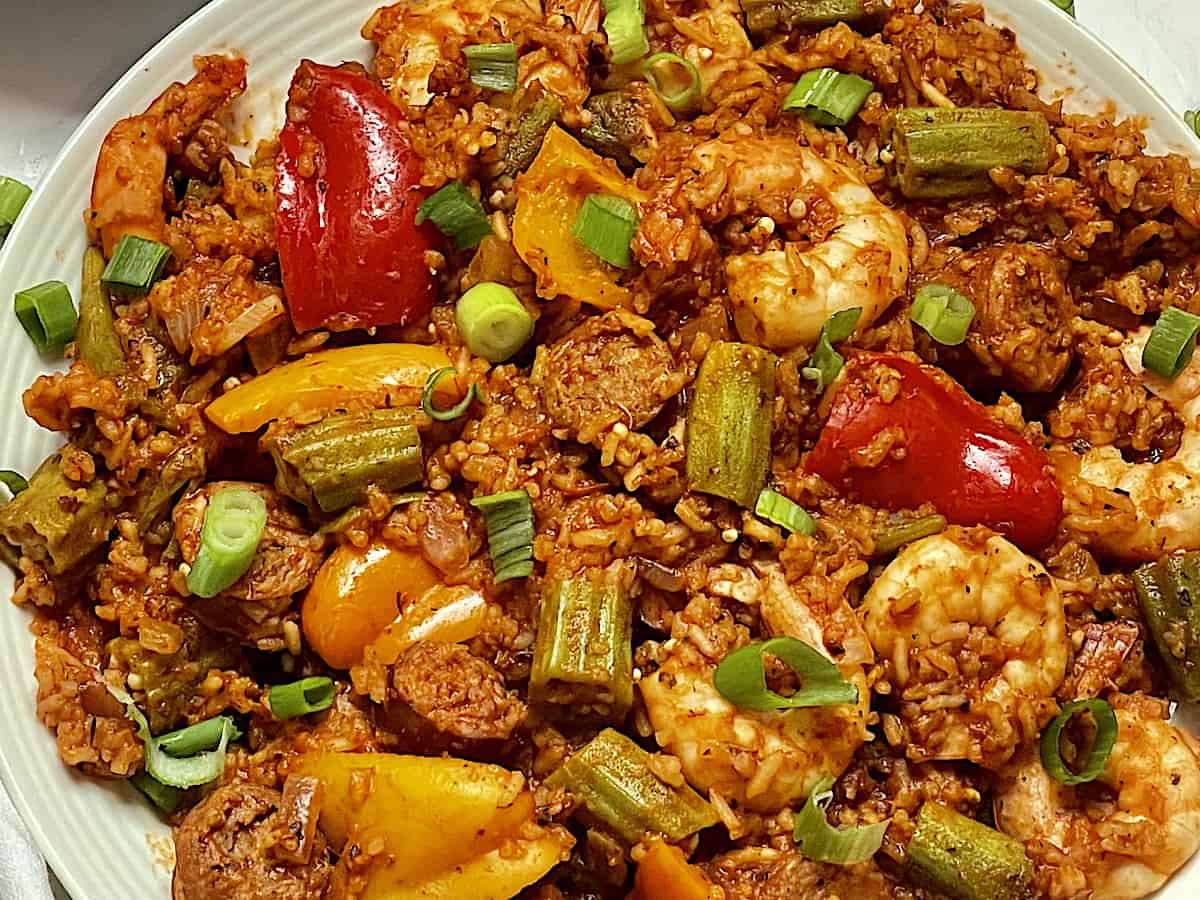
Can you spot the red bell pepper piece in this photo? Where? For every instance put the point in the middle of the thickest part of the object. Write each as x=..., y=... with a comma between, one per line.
x=346, y=194
x=948, y=452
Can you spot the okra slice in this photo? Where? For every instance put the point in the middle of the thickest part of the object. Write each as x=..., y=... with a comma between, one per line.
x=962, y=859
x=1168, y=592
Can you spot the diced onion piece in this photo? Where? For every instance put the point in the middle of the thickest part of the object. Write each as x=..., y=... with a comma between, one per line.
x=509, y=519
x=233, y=525
x=13, y=195
x=446, y=415
x=828, y=97
x=675, y=80
x=14, y=481
x=816, y=839
x=493, y=66
x=606, y=225
x=493, y=322
x=135, y=265
x=741, y=677
x=457, y=213
x=1172, y=342
x=779, y=510
x=308, y=695
x=944, y=313
x=825, y=363
x=165, y=797
x=624, y=24
x=1102, y=744
x=47, y=314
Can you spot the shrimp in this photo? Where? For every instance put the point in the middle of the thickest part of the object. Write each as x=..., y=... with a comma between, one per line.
x=1148, y=509
x=974, y=633
x=830, y=244
x=764, y=761
x=127, y=191
x=1123, y=835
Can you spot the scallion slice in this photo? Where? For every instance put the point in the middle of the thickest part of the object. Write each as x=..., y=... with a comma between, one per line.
x=606, y=225
x=13, y=195
x=742, y=680
x=165, y=797
x=1067, y=6
x=1102, y=743
x=781, y=511
x=624, y=24
x=47, y=314
x=675, y=80
x=196, y=738
x=308, y=695
x=196, y=755
x=943, y=312
x=816, y=839
x=492, y=321
x=825, y=362
x=446, y=415
x=828, y=97
x=493, y=66
x=1192, y=119
x=457, y=213
x=135, y=265
x=1172, y=342
x=14, y=481
x=233, y=525
x=509, y=519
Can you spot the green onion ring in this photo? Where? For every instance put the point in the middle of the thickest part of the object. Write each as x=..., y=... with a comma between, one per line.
x=659, y=70
x=308, y=695
x=825, y=363
x=233, y=525
x=203, y=766
x=741, y=677
x=165, y=797
x=14, y=481
x=816, y=839
x=47, y=314
x=780, y=510
x=1172, y=342
x=446, y=415
x=1106, y=737
x=943, y=312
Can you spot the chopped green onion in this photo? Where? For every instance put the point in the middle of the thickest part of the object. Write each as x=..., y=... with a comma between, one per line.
x=1067, y=6
x=611, y=779
x=896, y=536
x=446, y=415
x=135, y=265
x=825, y=363
x=47, y=314
x=741, y=677
x=1102, y=743
x=675, y=80
x=493, y=66
x=492, y=321
x=816, y=839
x=943, y=312
x=606, y=225
x=1172, y=342
x=509, y=519
x=308, y=695
x=13, y=195
x=828, y=97
x=779, y=510
x=165, y=797
x=233, y=525
x=14, y=481
x=961, y=859
x=196, y=755
x=624, y=24
x=195, y=738
x=457, y=213
x=1192, y=119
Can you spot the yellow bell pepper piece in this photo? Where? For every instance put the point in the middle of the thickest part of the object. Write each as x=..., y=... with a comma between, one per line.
x=431, y=813
x=447, y=614
x=497, y=875
x=377, y=374
x=549, y=196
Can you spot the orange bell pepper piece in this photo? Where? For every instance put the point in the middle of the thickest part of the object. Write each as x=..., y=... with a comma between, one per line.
x=375, y=374
x=449, y=614
x=665, y=874
x=549, y=196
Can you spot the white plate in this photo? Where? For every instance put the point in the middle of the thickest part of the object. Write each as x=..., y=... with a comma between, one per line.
x=102, y=840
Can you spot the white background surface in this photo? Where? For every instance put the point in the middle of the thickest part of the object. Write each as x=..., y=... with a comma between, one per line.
x=58, y=58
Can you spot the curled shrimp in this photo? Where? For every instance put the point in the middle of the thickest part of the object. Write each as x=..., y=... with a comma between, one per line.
x=763, y=761
x=974, y=635
x=127, y=191
x=1123, y=835
x=826, y=243
x=1146, y=509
